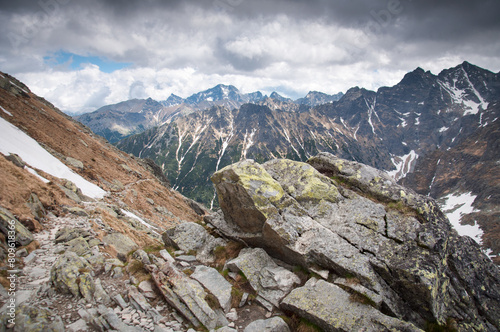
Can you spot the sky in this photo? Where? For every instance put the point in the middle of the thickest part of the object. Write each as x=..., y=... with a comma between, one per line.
x=82, y=55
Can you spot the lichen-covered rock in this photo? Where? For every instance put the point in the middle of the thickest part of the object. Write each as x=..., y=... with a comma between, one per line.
x=275, y=324
x=67, y=234
x=215, y=284
x=376, y=183
x=190, y=236
x=269, y=280
x=122, y=243
x=36, y=207
x=358, y=224
x=78, y=246
x=20, y=234
x=141, y=256
x=247, y=195
x=186, y=295
x=31, y=318
x=334, y=309
x=74, y=162
x=186, y=236
x=72, y=274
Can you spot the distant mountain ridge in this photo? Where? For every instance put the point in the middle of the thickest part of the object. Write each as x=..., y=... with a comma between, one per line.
x=118, y=121
x=405, y=129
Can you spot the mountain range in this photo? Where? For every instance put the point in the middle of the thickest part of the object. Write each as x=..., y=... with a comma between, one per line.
x=95, y=239
x=118, y=121
x=437, y=134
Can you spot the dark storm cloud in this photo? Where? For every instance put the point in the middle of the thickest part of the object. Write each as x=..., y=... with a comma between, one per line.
x=297, y=45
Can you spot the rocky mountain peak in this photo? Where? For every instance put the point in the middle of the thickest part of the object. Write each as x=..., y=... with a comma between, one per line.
x=279, y=97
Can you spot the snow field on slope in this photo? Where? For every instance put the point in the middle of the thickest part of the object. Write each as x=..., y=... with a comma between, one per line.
x=13, y=140
x=455, y=207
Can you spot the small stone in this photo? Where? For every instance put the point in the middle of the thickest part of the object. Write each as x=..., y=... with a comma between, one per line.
x=244, y=299
x=117, y=273
x=119, y=300
x=232, y=315
x=166, y=256
x=22, y=252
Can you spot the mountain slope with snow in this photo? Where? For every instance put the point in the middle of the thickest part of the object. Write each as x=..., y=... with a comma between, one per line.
x=394, y=129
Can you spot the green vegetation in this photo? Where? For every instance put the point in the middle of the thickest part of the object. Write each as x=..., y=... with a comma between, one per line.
x=361, y=298
x=153, y=249
x=225, y=253
x=300, y=324
x=449, y=326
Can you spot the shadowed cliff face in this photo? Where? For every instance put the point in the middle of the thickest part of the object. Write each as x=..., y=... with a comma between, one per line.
x=348, y=221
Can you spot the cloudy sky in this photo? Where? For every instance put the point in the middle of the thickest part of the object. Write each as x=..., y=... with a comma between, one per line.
x=81, y=55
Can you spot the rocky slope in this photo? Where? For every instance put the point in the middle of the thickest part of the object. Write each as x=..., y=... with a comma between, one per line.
x=395, y=129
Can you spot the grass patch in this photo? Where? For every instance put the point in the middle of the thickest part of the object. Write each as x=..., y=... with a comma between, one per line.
x=300, y=324
x=188, y=272
x=236, y=295
x=401, y=207
x=362, y=298
x=224, y=253
x=135, y=266
x=212, y=301
x=241, y=286
x=153, y=249
x=449, y=326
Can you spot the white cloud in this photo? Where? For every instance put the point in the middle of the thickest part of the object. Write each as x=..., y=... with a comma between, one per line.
x=182, y=48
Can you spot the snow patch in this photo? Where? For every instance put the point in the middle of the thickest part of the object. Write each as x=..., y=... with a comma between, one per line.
x=247, y=142
x=455, y=207
x=13, y=140
x=459, y=96
x=17, y=86
x=443, y=129
x=32, y=171
x=133, y=216
x=5, y=111
x=404, y=165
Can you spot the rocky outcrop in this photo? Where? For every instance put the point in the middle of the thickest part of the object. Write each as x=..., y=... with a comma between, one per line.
x=72, y=274
x=275, y=324
x=270, y=281
x=13, y=229
x=186, y=295
x=376, y=241
x=334, y=309
x=189, y=237
x=122, y=243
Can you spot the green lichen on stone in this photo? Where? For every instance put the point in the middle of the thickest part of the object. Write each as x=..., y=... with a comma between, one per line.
x=302, y=181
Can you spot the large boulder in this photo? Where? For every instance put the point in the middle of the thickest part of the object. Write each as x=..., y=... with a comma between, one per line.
x=122, y=243
x=14, y=231
x=189, y=237
x=71, y=274
x=334, y=309
x=358, y=224
x=186, y=295
x=275, y=324
x=215, y=283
